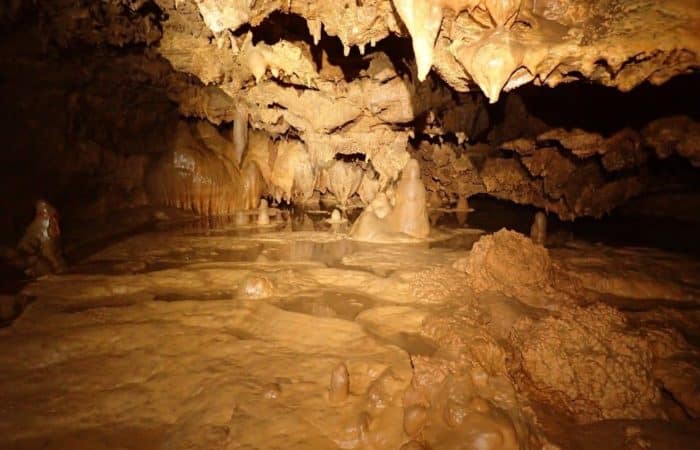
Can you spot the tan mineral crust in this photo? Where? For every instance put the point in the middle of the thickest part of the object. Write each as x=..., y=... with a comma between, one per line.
x=512, y=264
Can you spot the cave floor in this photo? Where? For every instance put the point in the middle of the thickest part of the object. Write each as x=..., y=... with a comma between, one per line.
x=202, y=335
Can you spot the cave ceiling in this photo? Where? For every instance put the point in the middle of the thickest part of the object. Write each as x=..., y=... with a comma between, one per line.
x=489, y=46
x=391, y=79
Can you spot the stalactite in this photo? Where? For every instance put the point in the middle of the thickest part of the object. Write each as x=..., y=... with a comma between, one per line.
x=240, y=135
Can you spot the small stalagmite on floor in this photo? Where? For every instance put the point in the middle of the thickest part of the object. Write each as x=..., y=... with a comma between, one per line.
x=538, y=231
x=414, y=417
x=340, y=384
x=263, y=213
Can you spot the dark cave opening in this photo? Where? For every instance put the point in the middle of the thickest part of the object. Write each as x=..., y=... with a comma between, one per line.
x=350, y=157
x=280, y=26
x=603, y=109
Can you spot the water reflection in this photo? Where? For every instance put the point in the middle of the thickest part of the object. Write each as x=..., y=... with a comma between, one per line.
x=233, y=239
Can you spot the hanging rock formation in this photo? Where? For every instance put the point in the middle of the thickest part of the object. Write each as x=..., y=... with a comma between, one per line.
x=501, y=44
x=379, y=81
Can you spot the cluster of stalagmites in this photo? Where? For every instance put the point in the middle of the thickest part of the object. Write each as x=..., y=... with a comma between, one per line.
x=442, y=412
x=200, y=173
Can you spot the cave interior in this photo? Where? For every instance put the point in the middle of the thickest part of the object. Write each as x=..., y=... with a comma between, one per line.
x=368, y=224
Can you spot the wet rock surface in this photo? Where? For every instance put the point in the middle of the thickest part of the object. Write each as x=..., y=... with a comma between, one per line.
x=319, y=352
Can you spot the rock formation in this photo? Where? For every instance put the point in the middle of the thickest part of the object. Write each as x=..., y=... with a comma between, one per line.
x=263, y=213
x=344, y=179
x=538, y=231
x=510, y=263
x=407, y=218
x=39, y=251
x=192, y=177
x=340, y=384
x=591, y=359
x=299, y=86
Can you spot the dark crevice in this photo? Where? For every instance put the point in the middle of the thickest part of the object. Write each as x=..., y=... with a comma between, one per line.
x=350, y=157
x=605, y=110
x=280, y=26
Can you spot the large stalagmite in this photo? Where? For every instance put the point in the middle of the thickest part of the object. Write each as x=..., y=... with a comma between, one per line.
x=407, y=218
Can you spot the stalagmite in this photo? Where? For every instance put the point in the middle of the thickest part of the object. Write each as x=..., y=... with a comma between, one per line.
x=263, y=213
x=538, y=231
x=39, y=251
x=410, y=215
x=340, y=384
x=336, y=217
x=434, y=200
x=462, y=203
